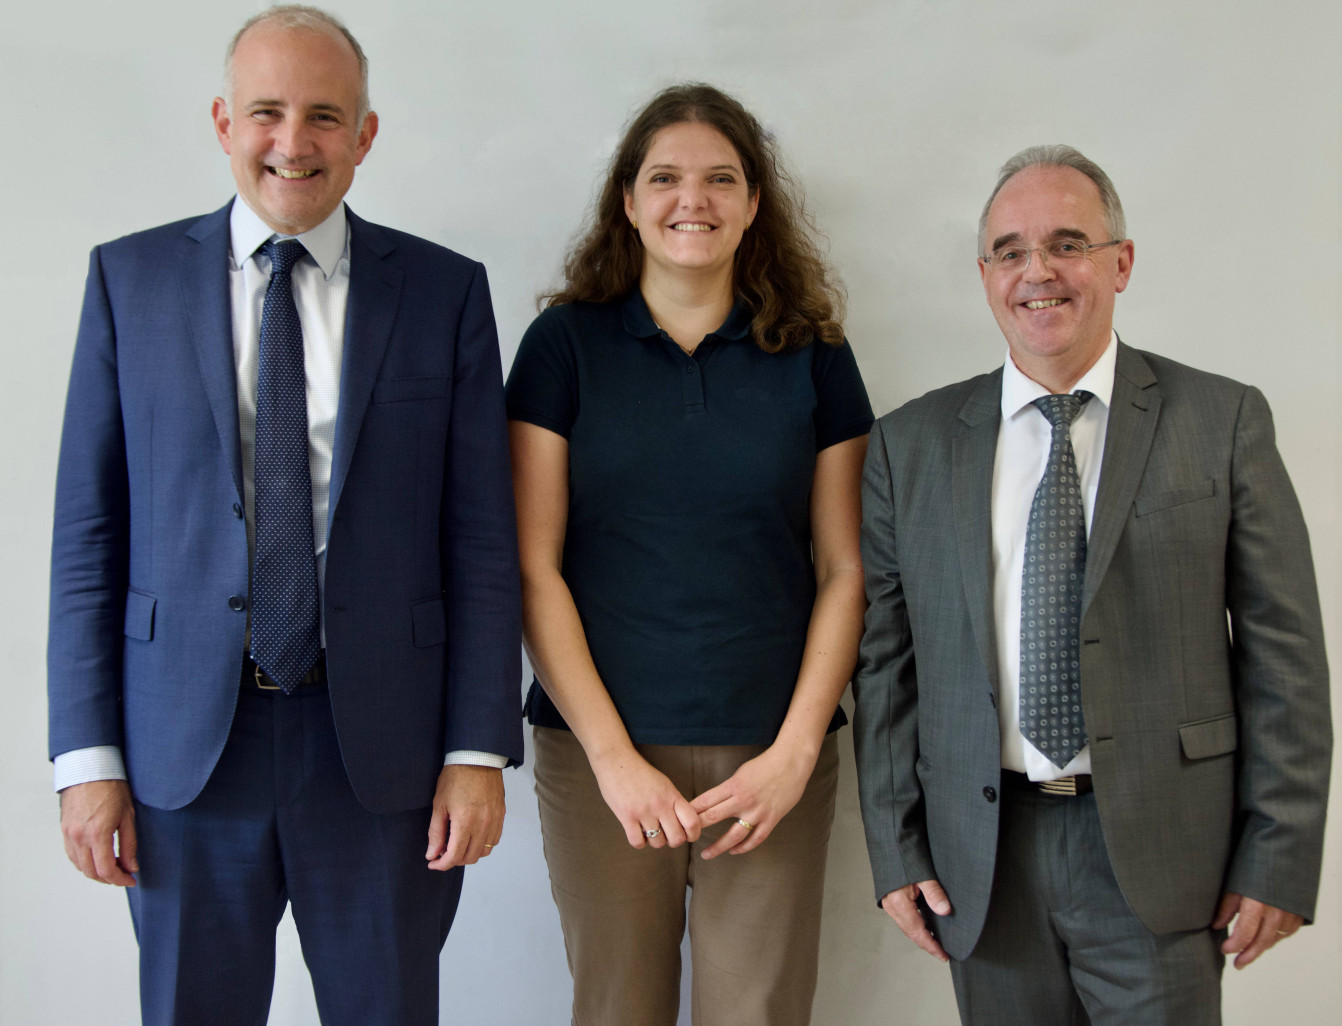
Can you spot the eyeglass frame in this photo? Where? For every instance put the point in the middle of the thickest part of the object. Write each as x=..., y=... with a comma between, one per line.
x=1086, y=249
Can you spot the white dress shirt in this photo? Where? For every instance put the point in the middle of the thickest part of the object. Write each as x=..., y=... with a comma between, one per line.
x=321, y=294
x=1022, y=451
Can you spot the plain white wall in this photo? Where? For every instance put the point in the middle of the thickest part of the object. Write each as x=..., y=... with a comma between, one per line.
x=1220, y=123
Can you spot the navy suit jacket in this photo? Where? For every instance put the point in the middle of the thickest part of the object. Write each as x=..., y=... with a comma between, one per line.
x=149, y=559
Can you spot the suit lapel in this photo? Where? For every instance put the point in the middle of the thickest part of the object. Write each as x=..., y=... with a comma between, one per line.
x=1133, y=414
x=202, y=271
x=374, y=295
x=972, y=453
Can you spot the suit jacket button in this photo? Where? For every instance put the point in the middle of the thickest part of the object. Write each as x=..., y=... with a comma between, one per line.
x=990, y=793
x=237, y=510
x=236, y=603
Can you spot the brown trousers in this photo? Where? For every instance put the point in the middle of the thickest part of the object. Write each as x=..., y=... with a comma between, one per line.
x=754, y=919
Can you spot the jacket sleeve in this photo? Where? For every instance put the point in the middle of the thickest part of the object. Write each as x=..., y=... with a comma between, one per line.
x=1280, y=676
x=90, y=540
x=479, y=546
x=885, y=690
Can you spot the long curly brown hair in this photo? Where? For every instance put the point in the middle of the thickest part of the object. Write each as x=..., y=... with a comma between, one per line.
x=779, y=272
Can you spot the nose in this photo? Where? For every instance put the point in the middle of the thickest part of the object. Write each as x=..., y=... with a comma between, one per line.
x=692, y=194
x=293, y=138
x=1038, y=268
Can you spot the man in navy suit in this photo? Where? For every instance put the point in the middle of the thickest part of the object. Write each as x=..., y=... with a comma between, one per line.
x=194, y=770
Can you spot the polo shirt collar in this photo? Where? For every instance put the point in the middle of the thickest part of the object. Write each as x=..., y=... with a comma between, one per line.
x=638, y=320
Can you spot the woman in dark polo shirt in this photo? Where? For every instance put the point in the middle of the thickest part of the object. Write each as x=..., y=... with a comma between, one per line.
x=688, y=426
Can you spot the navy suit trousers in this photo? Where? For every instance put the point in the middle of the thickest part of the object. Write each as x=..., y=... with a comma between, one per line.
x=278, y=823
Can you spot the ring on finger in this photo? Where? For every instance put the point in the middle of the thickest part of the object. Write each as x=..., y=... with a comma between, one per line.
x=488, y=846
x=650, y=834
x=744, y=823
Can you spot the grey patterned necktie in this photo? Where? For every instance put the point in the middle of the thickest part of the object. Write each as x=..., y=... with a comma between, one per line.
x=286, y=633
x=1050, y=595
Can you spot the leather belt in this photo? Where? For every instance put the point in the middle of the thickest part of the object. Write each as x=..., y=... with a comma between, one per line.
x=254, y=676
x=1063, y=787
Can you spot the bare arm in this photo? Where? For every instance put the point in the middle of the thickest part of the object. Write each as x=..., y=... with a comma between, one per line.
x=766, y=788
x=641, y=797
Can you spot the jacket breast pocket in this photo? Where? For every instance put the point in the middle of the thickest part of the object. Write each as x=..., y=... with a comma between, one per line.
x=403, y=390
x=1148, y=504
x=428, y=622
x=139, y=619
x=1205, y=738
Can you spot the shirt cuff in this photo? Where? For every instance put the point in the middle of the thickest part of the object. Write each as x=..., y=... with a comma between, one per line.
x=466, y=757
x=84, y=765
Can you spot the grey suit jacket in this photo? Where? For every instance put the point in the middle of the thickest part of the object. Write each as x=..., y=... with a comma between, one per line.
x=1210, y=736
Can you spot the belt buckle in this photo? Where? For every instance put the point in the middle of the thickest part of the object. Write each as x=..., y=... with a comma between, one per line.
x=260, y=675
x=1065, y=786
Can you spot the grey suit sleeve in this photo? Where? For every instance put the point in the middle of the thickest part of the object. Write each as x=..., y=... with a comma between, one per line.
x=1281, y=676
x=885, y=688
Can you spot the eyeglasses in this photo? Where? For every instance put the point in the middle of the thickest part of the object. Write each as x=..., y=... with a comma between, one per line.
x=1057, y=251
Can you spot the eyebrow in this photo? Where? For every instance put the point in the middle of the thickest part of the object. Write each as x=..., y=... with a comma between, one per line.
x=334, y=108
x=676, y=167
x=1058, y=233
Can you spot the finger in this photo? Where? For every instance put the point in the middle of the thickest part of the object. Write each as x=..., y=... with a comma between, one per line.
x=655, y=836
x=734, y=835
x=935, y=897
x=755, y=836
x=1225, y=911
x=633, y=833
x=713, y=796
x=106, y=867
x=1244, y=930
x=1262, y=939
x=437, y=832
x=907, y=916
x=128, y=843
x=689, y=820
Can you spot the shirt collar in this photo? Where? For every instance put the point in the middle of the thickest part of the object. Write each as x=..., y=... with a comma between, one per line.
x=1019, y=391
x=326, y=243
x=639, y=323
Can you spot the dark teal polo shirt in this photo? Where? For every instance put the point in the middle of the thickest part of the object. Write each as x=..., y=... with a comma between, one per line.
x=688, y=545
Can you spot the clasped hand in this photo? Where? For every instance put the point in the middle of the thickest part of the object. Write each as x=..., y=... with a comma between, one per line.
x=655, y=814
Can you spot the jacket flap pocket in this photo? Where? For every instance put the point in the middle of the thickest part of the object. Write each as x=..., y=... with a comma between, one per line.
x=139, y=622
x=1175, y=497
x=1206, y=738
x=400, y=390
x=428, y=620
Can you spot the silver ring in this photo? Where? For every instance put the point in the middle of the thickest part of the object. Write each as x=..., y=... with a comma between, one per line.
x=744, y=823
x=1283, y=933
x=650, y=834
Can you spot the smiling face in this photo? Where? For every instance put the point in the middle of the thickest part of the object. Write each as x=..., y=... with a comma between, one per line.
x=1057, y=318
x=291, y=130
x=691, y=202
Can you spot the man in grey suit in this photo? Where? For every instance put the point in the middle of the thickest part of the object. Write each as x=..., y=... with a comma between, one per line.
x=1092, y=700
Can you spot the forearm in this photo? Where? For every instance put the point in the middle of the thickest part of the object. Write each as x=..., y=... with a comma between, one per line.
x=557, y=648
x=832, y=639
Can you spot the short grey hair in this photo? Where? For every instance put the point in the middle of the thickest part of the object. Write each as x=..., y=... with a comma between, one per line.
x=300, y=16
x=1059, y=155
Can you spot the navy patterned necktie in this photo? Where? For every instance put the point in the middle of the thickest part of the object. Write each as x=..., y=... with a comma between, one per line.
x=1050, y=595
x=286, y=636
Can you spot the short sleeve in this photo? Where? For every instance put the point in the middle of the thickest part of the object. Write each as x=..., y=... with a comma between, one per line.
x=542, y=384
x=842, y=409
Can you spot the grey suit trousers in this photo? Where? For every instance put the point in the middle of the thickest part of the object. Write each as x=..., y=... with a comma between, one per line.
x=1060, y=944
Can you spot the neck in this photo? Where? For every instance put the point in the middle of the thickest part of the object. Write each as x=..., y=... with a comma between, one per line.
x=1058, y=374
x=687, y=308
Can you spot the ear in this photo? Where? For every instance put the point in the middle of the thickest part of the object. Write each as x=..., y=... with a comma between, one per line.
x=222, y=123
x=629, y=204
x=983, y=273
x=1126, y=255
x=367, y=133
x=754, y=206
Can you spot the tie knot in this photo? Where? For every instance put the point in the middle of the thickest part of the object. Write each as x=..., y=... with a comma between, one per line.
x=1062, y=409
x=283, y=254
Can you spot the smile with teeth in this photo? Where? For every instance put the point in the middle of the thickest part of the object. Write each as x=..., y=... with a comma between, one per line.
x=1043, y=304
x=284, y=172
x=691, y=226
